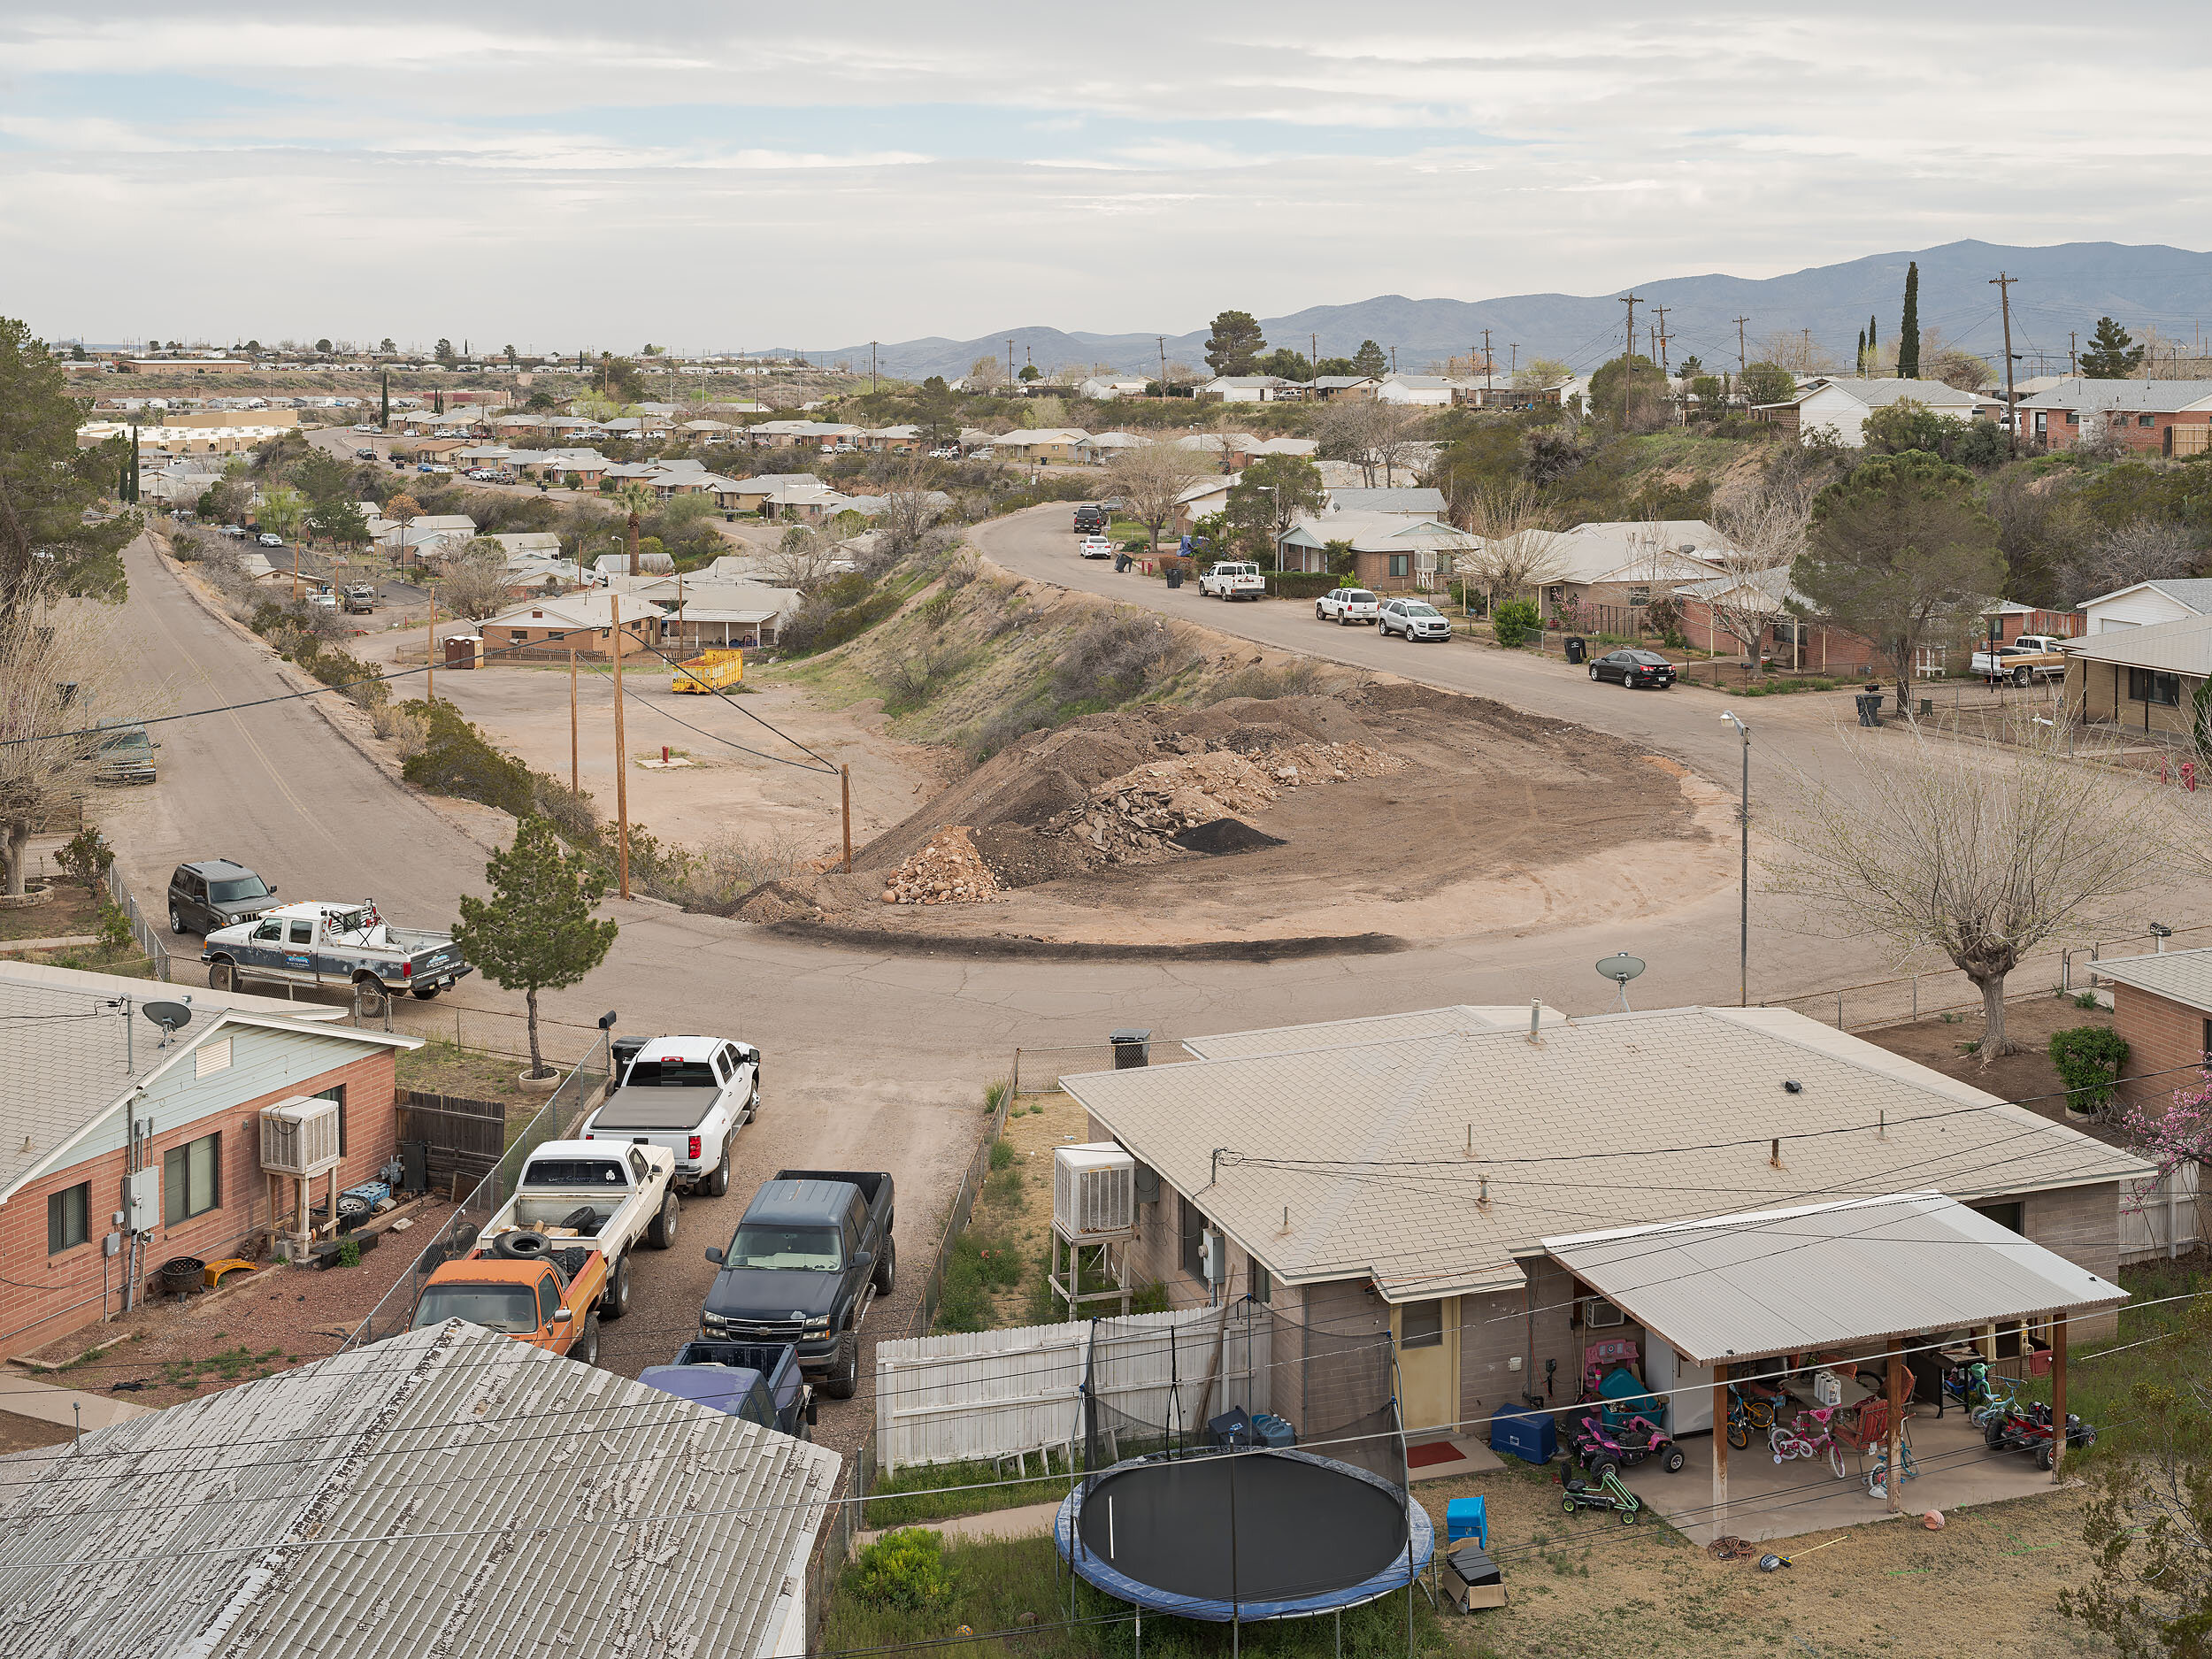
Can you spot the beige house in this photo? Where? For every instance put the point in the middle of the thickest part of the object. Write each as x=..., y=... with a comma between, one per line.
x=2143, y=681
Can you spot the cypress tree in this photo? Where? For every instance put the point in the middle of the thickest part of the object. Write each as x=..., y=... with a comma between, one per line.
x=1873, y=349
x=1908, y=330
x=1862, y=354
x=384, y=415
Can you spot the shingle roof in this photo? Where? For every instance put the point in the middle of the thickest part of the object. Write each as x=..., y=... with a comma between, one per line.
x=1403, y=499
x=1880, y=394
x=2179, y=976
x=2144, y=397
x=1426, y=1022
x=1365, y=1145
x=448, y=1491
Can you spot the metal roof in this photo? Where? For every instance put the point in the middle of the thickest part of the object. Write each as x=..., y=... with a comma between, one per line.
x=2183, y=646
x=1825, y=1275
x=2179, y=976
x=448, y=1491
x=1361, y=1159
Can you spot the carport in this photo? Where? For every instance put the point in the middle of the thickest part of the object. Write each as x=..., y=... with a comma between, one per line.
x=1869, y=1283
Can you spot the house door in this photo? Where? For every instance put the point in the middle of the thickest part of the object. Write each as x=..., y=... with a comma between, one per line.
x=1427, y=1338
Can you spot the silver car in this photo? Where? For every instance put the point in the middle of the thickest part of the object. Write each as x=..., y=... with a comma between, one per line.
x=1346, y=606
x=1413, y=618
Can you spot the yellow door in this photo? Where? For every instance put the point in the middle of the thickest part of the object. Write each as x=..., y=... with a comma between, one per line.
x=1427, y=1335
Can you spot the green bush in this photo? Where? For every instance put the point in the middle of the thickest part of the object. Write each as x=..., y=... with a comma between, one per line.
x=905, y=1570
x=2088, y=1058
x=85, y=858
x=1001, y=1153
x=1514, y=620
x=457, y=759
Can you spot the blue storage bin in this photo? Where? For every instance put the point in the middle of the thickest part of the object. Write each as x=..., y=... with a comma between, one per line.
x=1529, y=1435
x=1272, y=1431
x=1467, y=1517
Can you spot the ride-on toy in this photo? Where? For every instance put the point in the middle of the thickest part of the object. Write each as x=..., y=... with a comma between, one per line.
x=1605, y=1492
x=2029, y=1430
x=1624, y=1444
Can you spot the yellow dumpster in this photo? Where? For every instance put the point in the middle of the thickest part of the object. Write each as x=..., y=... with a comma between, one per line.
x=709, y=671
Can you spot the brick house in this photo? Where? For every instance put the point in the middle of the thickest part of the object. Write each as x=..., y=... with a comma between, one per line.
x=2162, y=1007
x=582, y=621
x=85, y=1061
x=2170, y=417
x=1791, y=642
x=1399, y=1174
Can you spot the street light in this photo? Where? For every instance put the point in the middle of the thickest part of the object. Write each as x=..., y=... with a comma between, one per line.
x=1743, y=922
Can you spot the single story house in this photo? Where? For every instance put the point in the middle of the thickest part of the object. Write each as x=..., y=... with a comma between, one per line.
x=1623, y=564
x=582, y=622
x=88, y=1063
x=1842, y=405
x=1792, y=644
x=1407, y=1178
x=1101, y=447
x=1421, y=391
x=785, y=435
x=1328, y=386
x=1407, y=500
x=2162, y=1005
x=703, y=613
x=1300, y=449
x=1201, y=500
x=2142, y=679
x=1043, y=443
x=2146, y=604
x=1391, y=552
x=569, y=1509
x=2170, y=417
x=2013, y=619
x=1103, y=389
x=1512, y=392
x=903, y=439
x=423, y=534
x=1250, y=389
x=773, y=495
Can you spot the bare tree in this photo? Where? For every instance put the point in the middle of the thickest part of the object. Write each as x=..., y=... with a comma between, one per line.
x=910, y=507
x=804, y=559
x=2143, y=550
x=1796, y=350
x=1519, y=538
x=58, y=675
x=1375, y=436
x=1150, y=480
x=986, y=374
x=1980, y=854
x=1763, y=529
x=475, y=579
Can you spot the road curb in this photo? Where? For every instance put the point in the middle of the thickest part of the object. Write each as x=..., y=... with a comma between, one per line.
x=1016, y=947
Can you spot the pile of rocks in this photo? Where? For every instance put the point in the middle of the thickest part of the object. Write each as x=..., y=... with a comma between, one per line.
x=1131, y=818
x=947, y=870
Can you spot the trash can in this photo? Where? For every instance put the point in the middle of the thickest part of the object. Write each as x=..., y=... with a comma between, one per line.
x=1121, y=562
x=1575, y=646
x=1174, y=577
x=1132, y=1049
x=1870, y=708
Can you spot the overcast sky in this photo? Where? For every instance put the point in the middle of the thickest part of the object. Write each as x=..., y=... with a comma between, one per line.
x=717, y=175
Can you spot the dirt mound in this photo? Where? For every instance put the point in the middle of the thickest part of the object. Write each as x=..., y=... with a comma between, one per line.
x=1223, y=835
x=948, y=869
x=1137, y=816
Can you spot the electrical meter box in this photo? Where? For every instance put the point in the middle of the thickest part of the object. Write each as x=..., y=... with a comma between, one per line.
x=141, y=1201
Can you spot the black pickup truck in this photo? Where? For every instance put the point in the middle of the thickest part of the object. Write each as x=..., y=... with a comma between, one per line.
x=758, y=1381
x=812, y=1250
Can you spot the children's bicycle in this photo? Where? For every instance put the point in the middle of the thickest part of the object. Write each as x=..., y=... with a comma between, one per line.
x=1748, y=1414
x=1877, y=1476
x=1982, y=1397
x=1807, y=1435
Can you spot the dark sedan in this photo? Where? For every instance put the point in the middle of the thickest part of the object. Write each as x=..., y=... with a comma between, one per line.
x=1633, y=668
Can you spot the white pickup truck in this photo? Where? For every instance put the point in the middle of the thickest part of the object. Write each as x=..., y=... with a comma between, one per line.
x=1232, y=580
x=2031, y=657
x=689, y=1095
x=584, y=1195
x=324, y=943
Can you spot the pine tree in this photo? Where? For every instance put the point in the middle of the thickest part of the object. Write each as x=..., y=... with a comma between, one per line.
x=536, y=933
x=2112, y=355
x=1862, y=354
x=1908, y=330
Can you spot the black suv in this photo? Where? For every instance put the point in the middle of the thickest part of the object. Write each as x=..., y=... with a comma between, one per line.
x=215, y=893
x=1090, y=520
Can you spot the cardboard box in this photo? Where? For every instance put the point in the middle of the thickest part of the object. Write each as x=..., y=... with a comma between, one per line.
x=1471, y=1579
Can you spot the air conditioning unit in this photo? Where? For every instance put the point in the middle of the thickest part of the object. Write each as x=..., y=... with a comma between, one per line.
x=1094, y=1191
x=1598, y=1313
x=299, y=1136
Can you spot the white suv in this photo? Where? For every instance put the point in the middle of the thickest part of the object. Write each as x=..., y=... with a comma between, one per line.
x=1233, y=580
x=1345, y=606
x=1412, y=618
x=1094, y=546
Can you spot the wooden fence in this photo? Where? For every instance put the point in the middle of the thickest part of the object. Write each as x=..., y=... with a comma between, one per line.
x=465, y=1136
x=2159, y=1217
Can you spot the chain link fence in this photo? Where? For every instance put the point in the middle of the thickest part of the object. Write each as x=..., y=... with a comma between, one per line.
x=972, y=1181
x=1039, y=1070
x=151, y=942
x=580, y=1091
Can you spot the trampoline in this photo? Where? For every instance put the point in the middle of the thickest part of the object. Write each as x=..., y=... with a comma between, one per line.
x=1243, y=1536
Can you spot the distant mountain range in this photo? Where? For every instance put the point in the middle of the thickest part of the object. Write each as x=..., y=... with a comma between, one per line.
x=2060, y=288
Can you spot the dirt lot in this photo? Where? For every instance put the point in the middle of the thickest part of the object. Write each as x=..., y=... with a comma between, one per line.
x=2028, y=1076
x=1388, y=809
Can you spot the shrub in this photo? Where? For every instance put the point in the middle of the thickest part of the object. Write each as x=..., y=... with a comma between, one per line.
x=1001, y=1153
x=1514, y=620
x=457, y=759
x=722, y=871
x=1293, y=680
x=1112, y=659
x=85, y=858
x=409, y=732
x=2088, y=1058
x=349, y=1254
x=114, y=929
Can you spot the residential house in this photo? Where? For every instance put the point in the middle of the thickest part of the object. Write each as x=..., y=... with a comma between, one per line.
x=1289, y=1146
x=582, y=622
x=1250, y=389
x=447, y=1490
x=1103, y=390
x=2143, y=681
x=703, y=613
x=1391, y=552
x=1201, y=500
x=1605, y=571
x=1420, y=391
x=2147, y=604
x=84, y=1062
x=1300, y=449
x=1328, y=386
x=1407, y=500
x=2013, y=619
x=903, y=439
x=2170, y=417
x=1784, y=637
x=775, y=495
x=1511, y=392
x=1840, y=406
x=424, y=535
x=1043, y=444
x=2162, y=1007
x=1101, y=447
x=787, y=434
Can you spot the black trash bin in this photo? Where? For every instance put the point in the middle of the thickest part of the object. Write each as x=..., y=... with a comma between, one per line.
x=1174, y=577
x=1133, y=1048
x=1575, y=646
x=1121, y=562
x=1870, y=708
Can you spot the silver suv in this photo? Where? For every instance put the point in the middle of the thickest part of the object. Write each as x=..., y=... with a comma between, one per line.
x=1413, y=618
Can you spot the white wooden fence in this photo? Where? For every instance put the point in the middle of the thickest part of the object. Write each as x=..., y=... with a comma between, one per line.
x=2159, y=1217
x=991, y=1394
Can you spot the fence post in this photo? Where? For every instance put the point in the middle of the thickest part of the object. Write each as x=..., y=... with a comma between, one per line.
x=1838, y=1010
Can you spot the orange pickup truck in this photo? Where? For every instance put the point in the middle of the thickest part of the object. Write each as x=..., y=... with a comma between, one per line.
x=550, y=1300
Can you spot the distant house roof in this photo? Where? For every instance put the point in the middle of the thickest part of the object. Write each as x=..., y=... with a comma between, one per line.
x=1115, y=441
x=1378, y=532
x=2191, y=592
x=449, y=1490
x=1303, y=448
x=2180, y=647
x=2179, y=976
x=1245, y=380
x=1634, y=549
x=1880, y=394
x=2135, y=397
x=1342, y=382
x=1406, y=499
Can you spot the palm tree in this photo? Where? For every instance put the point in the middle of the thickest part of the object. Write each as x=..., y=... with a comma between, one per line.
x=635, y=499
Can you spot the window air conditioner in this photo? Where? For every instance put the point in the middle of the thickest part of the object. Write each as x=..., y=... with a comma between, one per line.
x=299, y=1136
x=1598, y=1313
x=1094, y=1191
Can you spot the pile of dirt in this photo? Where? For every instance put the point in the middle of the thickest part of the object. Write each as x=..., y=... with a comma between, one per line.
x=1140, y=816
x=948, y=869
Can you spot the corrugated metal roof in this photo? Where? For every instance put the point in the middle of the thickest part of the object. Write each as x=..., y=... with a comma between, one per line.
x=449, y=1491
x=2183, y=646
x=1352, y=1159
x=2181, y=976
x=2138, y=396
x=1789, y=1281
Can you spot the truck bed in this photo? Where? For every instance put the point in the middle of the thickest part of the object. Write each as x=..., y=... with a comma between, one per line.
x=645, y=1110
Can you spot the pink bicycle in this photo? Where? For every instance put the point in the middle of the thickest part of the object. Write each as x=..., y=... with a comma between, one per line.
x=1808, y=1435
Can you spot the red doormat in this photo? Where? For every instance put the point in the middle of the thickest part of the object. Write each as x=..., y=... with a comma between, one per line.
x=1435, y=1452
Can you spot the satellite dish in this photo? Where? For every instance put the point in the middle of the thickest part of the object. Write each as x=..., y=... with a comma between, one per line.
x=170, y=1017
x=1621, y=968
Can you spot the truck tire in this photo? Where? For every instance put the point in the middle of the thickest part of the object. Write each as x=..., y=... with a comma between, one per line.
x=843, y=1382
x=887, y=1266
x=2021, y=677
x=614, y=1301
x=587, y=1348
x=176, y=920
x=222, y=976
x=662, y=1232
x=718, y=1183
x=426, y=992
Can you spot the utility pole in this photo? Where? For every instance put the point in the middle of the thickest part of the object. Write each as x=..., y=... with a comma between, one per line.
x=1165, y=389
x=872, y=367
x=1393, y=359
x=1741, y=363
x=845, y=789
x=1513, y=364
x=575, y=756
x=430, y=652
x=2003, y=284
x=1628, y=359
x=621, y=763
x=1662, y=310
x=2073, y=352
x=1486, y=364
x=1009, y=368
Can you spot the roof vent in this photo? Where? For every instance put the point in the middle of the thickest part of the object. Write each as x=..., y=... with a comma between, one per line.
x=1791, y=1085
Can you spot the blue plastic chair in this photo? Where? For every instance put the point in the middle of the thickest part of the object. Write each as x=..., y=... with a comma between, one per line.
x=1466, y=1517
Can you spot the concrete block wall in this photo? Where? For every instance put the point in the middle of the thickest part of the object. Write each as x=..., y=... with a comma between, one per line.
x=2081, y=1224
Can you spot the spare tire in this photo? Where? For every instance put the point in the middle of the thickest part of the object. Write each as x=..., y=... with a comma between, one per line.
x=523, y=1246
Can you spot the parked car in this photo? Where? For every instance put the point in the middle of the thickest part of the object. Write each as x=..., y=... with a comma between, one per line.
x=215, y=893
x=364, y=454
x=123, y=752
x=549, y=1299
x=1345, y=606
x=1633, y=668
x=324, y=943
x=761, y=1382
x=1094, y=546
x=812, y=1251
x=986, y=453
x=687, y=1095
x=269, y=538
x=322, y=602
x=358, y=600
x=579, y=1193
x=364, y=426
x=1090, y=519
x=1233, y=579
x=2030, y=657
x=1412, y=618
x=235, y=530
x=946, y=452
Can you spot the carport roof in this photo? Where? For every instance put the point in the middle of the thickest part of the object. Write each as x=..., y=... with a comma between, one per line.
x=1805, y=1281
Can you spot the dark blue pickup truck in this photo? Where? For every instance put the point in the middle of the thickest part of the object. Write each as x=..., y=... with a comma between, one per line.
x=811, y=1253
x=760, y=1382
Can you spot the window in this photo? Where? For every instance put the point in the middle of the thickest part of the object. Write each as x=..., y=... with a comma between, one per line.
x=2073, y=417
x=1400, y=564
x=189, y=1183
x=2147, y=421
x=303, y=933
x=1190, y=1228
x=2208, y=1036
x=1421, y=1324
x=68, y=1218
x=2006, y=1216
x=2149, y=685
x=337, y=1094
x=518, y=636
x=549, y=1299
x=1639, y=595
x=1263, y=1283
